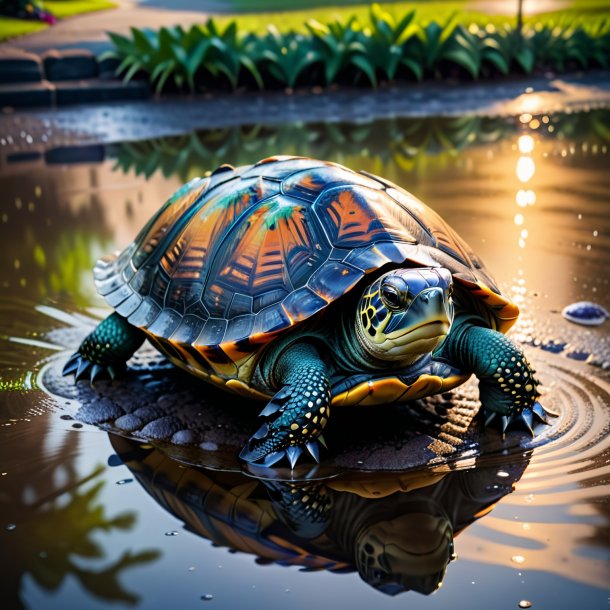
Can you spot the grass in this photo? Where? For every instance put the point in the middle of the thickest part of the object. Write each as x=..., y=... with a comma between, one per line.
x=11, y=28
x=69, y=8
x=586, y=11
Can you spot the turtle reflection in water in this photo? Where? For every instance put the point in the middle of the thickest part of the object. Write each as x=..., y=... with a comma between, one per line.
x=307, y=285
x=396, y=530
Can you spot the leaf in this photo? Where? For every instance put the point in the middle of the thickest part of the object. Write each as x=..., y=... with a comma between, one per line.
x=495, y=58
x=363, y=63
x=464, y=58
x=525, y=58
x=416, y=68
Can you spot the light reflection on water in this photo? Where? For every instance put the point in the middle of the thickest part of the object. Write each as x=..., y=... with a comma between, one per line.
x=532, y=202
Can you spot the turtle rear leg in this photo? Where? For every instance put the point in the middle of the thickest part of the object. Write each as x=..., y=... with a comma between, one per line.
x=296, y=415
x=105, y=351
x=508, y=387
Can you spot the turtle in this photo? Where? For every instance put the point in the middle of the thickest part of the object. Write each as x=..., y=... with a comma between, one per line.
x=310, y=286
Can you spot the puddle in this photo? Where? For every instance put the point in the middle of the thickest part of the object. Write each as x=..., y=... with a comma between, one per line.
x=91, y=519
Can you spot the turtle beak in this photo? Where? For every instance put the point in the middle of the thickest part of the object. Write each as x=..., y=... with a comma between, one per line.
x=430, y=306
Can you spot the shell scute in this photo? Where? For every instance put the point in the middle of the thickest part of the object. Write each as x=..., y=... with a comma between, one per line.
x=165, y=323
x=302, y=304
x=355, y=216
x=281, y=166
x=308, y=184
x=334, y=279
x=271, y=319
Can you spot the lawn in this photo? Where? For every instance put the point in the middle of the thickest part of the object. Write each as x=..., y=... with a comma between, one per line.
x=10, y=28
x=69, y=8
x=586, y=11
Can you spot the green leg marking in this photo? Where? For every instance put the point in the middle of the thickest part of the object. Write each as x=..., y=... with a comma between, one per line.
x=106, y=350
x=297, y=414
x=507, y=385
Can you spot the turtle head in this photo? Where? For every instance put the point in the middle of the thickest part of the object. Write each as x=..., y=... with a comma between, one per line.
x=405, y=313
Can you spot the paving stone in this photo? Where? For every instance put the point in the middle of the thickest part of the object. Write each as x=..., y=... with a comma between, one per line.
x=75, y=154
x=69, y=64
x=96, y=91
x=21, y=95
x=19, y=67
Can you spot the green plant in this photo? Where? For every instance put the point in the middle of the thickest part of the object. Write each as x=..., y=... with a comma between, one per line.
x=286, y=56
x=341, y=47
x=383, y=48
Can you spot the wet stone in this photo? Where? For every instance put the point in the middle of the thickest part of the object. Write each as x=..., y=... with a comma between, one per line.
x=99, y=410
x=162, y=428
x=184, y=437
x=114, y=460
x=129, y=422
x=148, y=413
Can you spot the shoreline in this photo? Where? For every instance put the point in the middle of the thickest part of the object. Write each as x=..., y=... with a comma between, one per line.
x=119, y=122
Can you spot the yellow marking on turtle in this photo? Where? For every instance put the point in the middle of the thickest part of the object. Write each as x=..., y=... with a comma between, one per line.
x=392, y=389
x=380, y=486
x=239, y=387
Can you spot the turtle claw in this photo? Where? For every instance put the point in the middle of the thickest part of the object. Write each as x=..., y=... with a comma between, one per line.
x=72, y=365
x=82, y=368
x=525, y=420
x=293, y=452
x=314, y=450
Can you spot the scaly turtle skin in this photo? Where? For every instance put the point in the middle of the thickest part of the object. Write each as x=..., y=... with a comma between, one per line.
x=307, y=285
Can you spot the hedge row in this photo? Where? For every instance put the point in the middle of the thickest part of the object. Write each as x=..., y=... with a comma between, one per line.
x=207, y=57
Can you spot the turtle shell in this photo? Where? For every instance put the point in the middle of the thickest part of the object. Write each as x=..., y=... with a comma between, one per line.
x=233, y=259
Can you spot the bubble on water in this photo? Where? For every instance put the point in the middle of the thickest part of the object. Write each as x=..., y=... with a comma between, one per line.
x=524, y=603
x=207, y=597
x=172, y=533
x=517, y=559
x=10, y=527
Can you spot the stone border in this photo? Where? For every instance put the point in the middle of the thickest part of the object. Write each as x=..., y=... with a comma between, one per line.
x=61, y=78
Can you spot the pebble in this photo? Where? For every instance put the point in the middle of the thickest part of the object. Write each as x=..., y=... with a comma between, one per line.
x=586, y=313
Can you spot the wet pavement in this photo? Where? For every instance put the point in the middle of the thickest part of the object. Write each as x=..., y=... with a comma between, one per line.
x=40, y=130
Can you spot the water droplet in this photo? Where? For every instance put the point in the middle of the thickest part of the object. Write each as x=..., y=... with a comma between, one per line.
x=517, y=559
x=192, y=569
x=503, y=474
x=524, y=603
x=207, y=597
x=171, y=533
x=124, y=481
x=10, y=527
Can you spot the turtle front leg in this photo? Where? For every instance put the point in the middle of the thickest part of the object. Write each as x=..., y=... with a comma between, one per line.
x=507, y=386
x=105, y=351
x=296, y=415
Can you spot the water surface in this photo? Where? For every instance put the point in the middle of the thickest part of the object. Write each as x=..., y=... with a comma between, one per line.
x=89, y=520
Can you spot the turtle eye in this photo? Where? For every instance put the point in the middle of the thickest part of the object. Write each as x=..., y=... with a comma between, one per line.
x=392, y=298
